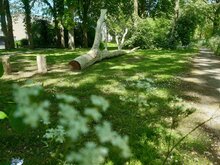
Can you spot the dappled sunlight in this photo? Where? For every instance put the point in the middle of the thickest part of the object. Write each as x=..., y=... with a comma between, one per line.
x=122, y=67
x=144, y=114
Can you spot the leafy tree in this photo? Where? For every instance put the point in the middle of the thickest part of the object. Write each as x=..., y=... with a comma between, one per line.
x=6, y=24
x=83, y=11
x=186, y=25
x=43, y=34
x=56, y=9
x=150, y=34
x=27, y=5
x=119, y=26
x=68, y=21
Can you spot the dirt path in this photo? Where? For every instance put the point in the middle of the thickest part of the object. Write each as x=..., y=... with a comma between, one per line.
x=203, y=88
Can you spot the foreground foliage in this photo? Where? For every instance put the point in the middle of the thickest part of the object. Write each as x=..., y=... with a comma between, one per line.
x=71, y=127
x=214, y=44
x=145, y=99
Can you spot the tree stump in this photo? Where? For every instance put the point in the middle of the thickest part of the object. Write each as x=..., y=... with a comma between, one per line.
x=41, y=64
x=6, y=64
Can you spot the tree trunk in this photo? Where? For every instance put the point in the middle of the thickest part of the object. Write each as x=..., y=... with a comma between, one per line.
x=27, y=9
x=3, y=23
x=120, y=42
x=62, y=37
x=71, y=42
x=85, y=8
x=5, y=31
x=176, y=16
x=85, y=34
x=135, y=12
x=57, y=31
x=10, y=26
x=136, y=7
x=95, y=55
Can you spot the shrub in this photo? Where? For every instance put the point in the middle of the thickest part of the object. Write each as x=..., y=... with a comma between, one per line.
x=142, y=35
x=186, y=26
x=24, y=42
x=150, y=34
x=214, y=44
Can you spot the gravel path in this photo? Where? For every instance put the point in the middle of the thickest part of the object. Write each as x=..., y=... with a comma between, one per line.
x=203, y=87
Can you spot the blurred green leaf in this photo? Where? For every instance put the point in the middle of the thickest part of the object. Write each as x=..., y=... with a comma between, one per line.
x=2, y=115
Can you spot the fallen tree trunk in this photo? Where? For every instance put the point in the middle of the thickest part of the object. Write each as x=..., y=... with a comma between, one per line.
x=95, y=55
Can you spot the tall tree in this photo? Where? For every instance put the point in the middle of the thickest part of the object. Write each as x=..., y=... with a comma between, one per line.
x=135, y=12
x=175, y=18
x=69, y=23
x=3, y=23
x=6, y=24
x=216, y=18
x=56, y=8
x=84, y=7
x=10, y=25
x=27, y=11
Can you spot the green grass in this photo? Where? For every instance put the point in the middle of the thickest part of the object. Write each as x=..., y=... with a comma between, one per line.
x=147, y=125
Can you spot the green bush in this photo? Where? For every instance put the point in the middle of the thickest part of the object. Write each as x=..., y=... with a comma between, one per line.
x=186, y=26
x=142, y=35
x=214, y=44
x=150, y=34
x=24, y=42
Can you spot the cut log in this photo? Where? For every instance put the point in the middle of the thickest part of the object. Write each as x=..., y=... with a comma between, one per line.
x=6, y=64
x=95, y=55
x=41, y=64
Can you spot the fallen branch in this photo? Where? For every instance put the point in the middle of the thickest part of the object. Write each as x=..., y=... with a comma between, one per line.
x=95, y=54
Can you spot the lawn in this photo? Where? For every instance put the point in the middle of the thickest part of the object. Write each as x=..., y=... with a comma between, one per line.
x=144, y=91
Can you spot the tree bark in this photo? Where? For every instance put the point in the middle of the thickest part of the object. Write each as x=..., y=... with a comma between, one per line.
x=10, y=26
x=136, y=7
x=135, y=12
x=121, y=39
x=95, y=55
x=3, y=23
x=27, y=9
x=6, y=25
x=71, y=41
x=57, y=31
x=62, y=36
x=85, y=5
x=176, y=16
x=85, y=33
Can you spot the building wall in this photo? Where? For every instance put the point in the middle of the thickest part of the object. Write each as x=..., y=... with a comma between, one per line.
x=19, y=27
x=18, y=30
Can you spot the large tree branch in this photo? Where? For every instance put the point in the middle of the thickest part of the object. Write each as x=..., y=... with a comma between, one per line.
x=95, y=55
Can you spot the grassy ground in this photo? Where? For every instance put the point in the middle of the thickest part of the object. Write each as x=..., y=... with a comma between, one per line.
x=145, y=115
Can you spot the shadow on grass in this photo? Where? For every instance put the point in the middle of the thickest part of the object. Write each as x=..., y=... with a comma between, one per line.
x=148, y=127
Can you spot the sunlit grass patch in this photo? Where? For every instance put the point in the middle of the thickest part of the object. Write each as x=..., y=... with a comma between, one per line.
x=143, y=91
